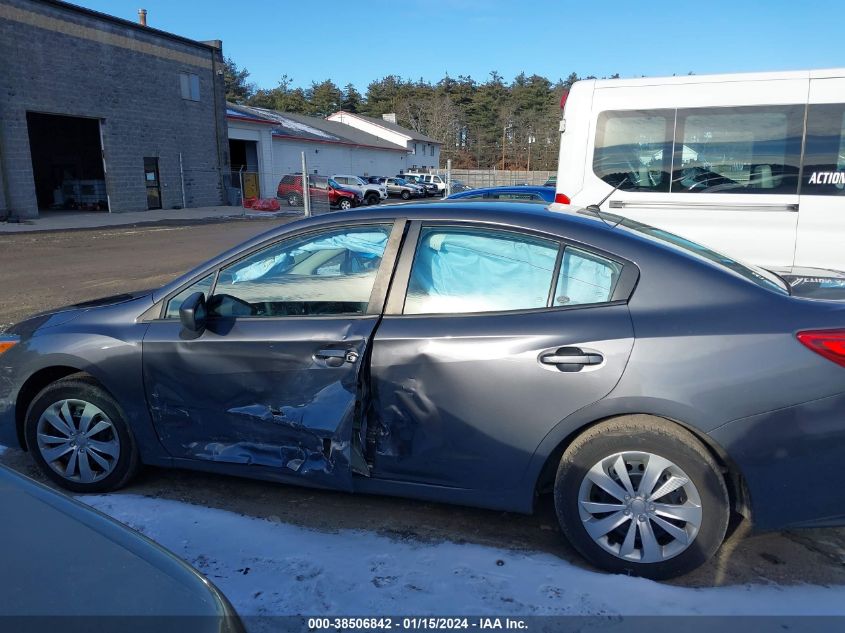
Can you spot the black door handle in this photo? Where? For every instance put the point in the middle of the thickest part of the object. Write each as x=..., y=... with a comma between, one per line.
x=571, y=359
x=336, y=357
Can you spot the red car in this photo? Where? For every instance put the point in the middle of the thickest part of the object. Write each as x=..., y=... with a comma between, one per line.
x=321, y=189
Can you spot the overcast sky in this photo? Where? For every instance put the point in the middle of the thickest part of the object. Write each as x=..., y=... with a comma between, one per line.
x=367, y=39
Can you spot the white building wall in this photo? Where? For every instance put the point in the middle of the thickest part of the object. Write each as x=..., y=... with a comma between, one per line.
x=422, y=159
x=328, y=159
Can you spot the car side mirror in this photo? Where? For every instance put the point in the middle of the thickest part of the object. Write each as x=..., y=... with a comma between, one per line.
x=193, y=313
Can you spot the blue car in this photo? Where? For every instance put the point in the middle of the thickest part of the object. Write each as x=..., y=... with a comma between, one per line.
x=516, y=193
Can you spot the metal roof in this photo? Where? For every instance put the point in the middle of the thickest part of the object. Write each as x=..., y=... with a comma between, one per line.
x=395, y=127
x=309, y=128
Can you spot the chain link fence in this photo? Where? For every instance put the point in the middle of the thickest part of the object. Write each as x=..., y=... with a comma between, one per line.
x=477, y=178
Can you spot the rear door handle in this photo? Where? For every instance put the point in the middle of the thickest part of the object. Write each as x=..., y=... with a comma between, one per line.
x=571, y=358
x=336, y=357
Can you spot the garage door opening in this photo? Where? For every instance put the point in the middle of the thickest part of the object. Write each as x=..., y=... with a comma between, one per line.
x=67, y=162
x=243, y=156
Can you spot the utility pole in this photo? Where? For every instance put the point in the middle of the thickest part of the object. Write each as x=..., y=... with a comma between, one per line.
x=306, y=187
x=504, y=130
x=531, y=139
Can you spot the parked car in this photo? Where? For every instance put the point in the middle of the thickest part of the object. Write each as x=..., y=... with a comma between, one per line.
x=438, y=181
x=659, y=387
x=62, y=559
x=429, y=188
x=521, y=193
x=551, y=181
x=321, y=188
x=372, y=193
x=402, y=188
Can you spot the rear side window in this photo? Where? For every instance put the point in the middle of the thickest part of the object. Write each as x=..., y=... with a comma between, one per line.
x=824, y=151
x=738, y=150
x=633, y=149
x=749, y=150
x=459, y=270
x=585, y=278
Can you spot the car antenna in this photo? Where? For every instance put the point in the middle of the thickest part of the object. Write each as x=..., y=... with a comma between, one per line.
x=597, y=207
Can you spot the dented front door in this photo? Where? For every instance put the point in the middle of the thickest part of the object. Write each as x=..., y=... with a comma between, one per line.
x=274, y=380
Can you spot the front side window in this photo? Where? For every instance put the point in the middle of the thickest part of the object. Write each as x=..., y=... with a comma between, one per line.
x=633, y=149
x=329, y=273
x=738, y=150
x=461, y=270
x=203, y=286
x=824, y=151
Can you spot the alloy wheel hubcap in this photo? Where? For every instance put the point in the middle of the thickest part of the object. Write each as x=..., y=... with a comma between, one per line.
x=78, y=441
x=640, y=507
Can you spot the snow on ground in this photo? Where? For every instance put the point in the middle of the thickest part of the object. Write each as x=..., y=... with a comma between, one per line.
x=271, y=568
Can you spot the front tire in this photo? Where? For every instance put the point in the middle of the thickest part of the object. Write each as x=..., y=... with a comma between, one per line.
x=294, y=200
x=642, y=496
x=372, y=199
x=345, y=204
x=406, y=195
x=79, y=437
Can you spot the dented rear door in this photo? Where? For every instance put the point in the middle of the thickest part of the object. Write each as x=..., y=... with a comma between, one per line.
x=278, y=388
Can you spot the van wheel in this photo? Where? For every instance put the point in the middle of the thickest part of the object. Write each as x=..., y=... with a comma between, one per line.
x=372, y=198
x=642, y=496
x=78, y=436
x=406, y=195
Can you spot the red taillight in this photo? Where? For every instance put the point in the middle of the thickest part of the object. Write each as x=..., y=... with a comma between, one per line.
x=562, y=198
x=828, y=343
x=563, y=99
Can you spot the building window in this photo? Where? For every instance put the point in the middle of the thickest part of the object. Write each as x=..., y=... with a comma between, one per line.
x=189, y=86
x=415, y=149
x=432, y=149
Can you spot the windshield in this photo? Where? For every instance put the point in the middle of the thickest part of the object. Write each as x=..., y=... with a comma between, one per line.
x=754, y=274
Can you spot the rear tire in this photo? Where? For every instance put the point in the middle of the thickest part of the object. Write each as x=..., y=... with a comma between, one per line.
x=294, y=200
x=669, y=509
x=79, y=437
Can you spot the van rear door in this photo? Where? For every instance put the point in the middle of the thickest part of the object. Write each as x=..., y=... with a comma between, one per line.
x=821, y=224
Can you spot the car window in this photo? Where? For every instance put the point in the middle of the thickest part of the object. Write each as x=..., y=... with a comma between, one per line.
x=341, y=179
x=633, y=149
x=203, y=286
x=332, y=272
x=585, y=278
x=459, y=270
x=738, y=150
x=824, y=153
x=516, y=195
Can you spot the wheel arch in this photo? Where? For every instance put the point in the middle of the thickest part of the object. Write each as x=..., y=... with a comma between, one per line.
x=32, y=386
x=740, y=500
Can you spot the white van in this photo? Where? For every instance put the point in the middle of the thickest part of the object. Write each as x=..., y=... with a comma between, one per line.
x=752, y=165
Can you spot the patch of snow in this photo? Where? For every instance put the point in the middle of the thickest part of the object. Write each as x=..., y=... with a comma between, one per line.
x=272, y=568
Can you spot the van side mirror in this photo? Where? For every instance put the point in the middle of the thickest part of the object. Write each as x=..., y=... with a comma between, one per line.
x=193, y=313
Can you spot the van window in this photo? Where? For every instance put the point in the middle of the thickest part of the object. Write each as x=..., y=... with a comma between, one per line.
x=738, y=150
x=633, y=149
x=824, y=151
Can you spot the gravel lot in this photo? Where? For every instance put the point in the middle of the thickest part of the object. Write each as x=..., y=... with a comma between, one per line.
x=45, y=270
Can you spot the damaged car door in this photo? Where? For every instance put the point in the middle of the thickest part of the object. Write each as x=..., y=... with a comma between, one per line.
x=273, y=381
x=491, y=337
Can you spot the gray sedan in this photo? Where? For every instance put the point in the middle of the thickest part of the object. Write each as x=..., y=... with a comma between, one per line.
x=480, y=354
